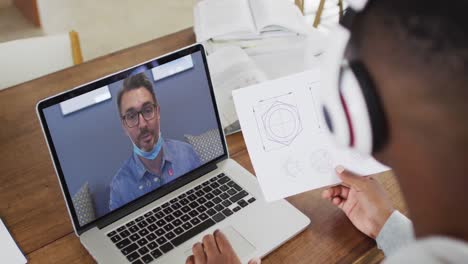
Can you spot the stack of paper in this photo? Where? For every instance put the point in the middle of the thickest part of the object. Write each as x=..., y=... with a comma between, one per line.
x=9, y=251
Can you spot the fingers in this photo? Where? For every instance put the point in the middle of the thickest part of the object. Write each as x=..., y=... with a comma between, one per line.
x=198, y=253
x=190, y=260
x=210, y=246
x=255, y=261
x=349, y=177
x=336, y=191
x=222, y=242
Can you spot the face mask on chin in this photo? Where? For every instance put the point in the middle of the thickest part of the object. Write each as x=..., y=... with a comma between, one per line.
x=153, y=153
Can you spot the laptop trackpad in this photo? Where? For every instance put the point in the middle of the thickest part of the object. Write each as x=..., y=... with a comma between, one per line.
x=240, y=245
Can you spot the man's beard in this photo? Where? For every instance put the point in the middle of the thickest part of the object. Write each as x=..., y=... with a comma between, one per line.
x=143, y=133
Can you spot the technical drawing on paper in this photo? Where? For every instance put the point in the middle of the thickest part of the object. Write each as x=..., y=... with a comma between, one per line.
x=313, y=86
x=294, y=167
x=278, y=121
x=321, y=161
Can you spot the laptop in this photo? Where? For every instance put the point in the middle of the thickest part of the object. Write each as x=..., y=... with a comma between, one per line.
x=144, y=168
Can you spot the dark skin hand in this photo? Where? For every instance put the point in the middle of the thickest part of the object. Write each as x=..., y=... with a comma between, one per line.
x=215, y=249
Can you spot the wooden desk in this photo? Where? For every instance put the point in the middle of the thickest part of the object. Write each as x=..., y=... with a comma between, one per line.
x=33, y=208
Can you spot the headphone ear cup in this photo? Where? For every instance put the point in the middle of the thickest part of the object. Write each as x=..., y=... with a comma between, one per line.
x=373, y=106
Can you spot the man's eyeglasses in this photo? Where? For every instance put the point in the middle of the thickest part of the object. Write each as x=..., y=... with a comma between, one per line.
x=132, y=118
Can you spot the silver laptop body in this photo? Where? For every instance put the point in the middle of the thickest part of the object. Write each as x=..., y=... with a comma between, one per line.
x=253, y=226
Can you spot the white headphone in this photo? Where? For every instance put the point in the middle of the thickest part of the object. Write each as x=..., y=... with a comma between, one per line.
x=350, y=104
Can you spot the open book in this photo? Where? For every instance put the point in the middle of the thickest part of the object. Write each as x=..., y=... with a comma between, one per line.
x=246, y=19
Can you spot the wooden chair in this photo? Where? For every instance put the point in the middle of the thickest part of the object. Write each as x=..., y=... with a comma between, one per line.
x=26, y=59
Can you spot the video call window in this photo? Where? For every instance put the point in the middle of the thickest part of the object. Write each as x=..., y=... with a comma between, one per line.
x=131, y=137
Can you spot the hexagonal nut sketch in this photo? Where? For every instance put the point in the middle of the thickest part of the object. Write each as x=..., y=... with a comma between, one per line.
x=294, y=167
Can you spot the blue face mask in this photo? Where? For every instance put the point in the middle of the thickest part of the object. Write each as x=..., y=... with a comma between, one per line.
x=151, y=155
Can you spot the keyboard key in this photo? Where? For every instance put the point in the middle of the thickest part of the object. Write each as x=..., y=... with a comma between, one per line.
x=251, y=200
x=116, y=238
x=184, y=201
x=156, y=253
x=213, y=179
x=151, y=219
x=231, y=192
x=143, y=250
x=165, y=205
x=182, y=196
x=140, y=218
x=168, y=210
x=152, y=245
x=193, y=232
x=214, y=185
x=152, y=227
x=201, y=208
x=221, y=175
x=187, y=226
x=161, y=240
x=147, y=258
x=242, y=203
x=157, y=209
x=185, y=209
x=185, y=218
x=134, y=237
x=201, y=200
x=151, y=237
x=160, y=232
x=148, y=214
x=111, y=234
x=216, y=200
x=206, y=183
x=209, y=204
x=237, y=208
x=137, y=262
x=134, y=229
x=170, y=235
x=237, y=187
x=142, y=242
x=129, y=249
x=207, y=189
x=177, y=213
x=166, y=247
x=211, y=212
x=124, y=233
x=159, y=215
x=238, y=196
x=174, y=200
x=226, y=203
x=223, y=180
x=193, y=213
x=203, y=216
x=199, y=193
x=142, y=224
x=197, y=187
x=178, y=230
x=123, y=243
x=169, y=218
x=227, y=212
x=177, y=222
x=161, y=222
x=176, y=206
x=168, y=227
x=195, y=221
x=143, y=232
x=219, y=207
x=133, y=256
x=209, y=196
x=193, y=205
x=230, y=183
x=120, y=229
x=190, y=192
x=224, y=188
x=219, y=217
x=192, y=197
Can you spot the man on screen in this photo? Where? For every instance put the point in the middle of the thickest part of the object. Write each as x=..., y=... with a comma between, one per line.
x=154, y=161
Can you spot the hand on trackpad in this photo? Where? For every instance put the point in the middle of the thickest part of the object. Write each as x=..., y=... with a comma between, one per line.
x=241, y=246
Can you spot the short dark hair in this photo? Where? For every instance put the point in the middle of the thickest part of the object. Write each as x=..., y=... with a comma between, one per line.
x=133, y=82
x=426, y=37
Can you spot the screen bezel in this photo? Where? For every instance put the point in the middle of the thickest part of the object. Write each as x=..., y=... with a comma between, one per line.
x=148, y=197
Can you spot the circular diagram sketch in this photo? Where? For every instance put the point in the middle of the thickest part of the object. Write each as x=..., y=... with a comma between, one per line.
x=321, y=161
x=281, y=123
x=294, y=167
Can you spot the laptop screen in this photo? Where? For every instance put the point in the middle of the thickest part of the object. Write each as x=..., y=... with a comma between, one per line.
x=133, y=133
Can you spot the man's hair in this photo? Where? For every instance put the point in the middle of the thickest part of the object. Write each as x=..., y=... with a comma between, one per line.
x=429, y=38
x=133, y=82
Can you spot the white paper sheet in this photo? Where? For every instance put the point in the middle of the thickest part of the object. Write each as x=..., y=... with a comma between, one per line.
x=9, y=252
x=288, y=143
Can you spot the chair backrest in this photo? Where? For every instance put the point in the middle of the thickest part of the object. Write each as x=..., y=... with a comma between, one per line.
x=26, y=59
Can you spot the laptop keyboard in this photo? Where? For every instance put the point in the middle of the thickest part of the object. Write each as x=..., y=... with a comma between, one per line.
x=158, y=231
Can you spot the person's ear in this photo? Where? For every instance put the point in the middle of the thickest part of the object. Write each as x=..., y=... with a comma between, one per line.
x=124, y=126
x=158, y=112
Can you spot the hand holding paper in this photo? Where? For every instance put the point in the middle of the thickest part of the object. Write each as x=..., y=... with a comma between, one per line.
x=287, y=140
